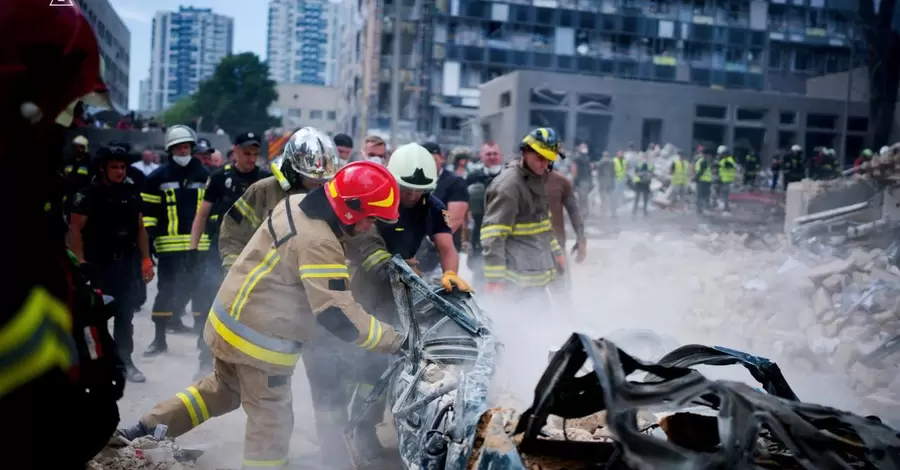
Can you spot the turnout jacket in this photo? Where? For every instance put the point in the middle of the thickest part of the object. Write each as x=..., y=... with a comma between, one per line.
x=171, y=195
x=517, y=237
x=291, y=276
x=243, y=218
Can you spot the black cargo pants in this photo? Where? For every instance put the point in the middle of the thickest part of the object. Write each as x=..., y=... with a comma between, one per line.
x=120, y=277
x=209, y=275
x=175, y=287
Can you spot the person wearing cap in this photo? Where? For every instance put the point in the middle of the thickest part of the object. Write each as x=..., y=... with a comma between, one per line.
x=203, y=152
x=345, y=148
x=107, y=232
x=223, y=188
x=452, y=191
x=521, y=253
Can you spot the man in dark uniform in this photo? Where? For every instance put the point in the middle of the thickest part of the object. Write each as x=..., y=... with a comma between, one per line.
x=223, y=188
x=107, y=232
x=172, y=194
x=77, y=170
x=450, y=190
x=203, y=152
x=49, y=59
x=751, y=165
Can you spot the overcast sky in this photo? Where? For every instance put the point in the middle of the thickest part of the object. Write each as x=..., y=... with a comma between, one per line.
x=250, y=19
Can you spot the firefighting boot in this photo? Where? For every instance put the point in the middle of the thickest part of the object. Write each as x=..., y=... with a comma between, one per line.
x=134, y=432
x=158, y=346
x=133, y=374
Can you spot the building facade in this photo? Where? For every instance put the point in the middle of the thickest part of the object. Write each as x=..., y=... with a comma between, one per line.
x=306, y=105
x=733, y=44
x=302, y=41
x=616, y=114
x=144, y=96
x=114, y=40
x=187, y=45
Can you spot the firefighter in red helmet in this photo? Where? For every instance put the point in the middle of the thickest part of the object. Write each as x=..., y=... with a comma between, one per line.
x=296, y=259
x=54, y=343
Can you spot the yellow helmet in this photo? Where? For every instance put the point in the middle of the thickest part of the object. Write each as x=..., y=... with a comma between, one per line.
x=543, y=140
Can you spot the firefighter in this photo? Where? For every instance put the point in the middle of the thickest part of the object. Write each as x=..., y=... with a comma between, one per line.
x=484, y=171
x=751, y=165
x=451, y=190
x=107, y=232
x=223, y=188
x=823, y=165
x=297, y=259
x=292, y=173
x=643, y=175
x=171, y=197
x=727, y=170
x=679, y=173
x=704, y=179
x=794, y=166
x=520, y=250
x=77, y=170
x=49, y=59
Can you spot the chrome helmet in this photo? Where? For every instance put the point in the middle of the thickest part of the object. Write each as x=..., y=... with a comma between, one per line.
x=311, y=154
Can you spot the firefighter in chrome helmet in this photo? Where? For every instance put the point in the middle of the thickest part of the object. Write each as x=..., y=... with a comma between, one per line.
x=171, y=196
x=309, y=160
x=520, y=250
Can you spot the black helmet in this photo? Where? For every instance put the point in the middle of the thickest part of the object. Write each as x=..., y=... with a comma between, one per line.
x=112, y=153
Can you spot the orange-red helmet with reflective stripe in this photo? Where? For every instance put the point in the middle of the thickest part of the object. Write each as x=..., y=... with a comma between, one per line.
x=48, y=58
x=364, y=189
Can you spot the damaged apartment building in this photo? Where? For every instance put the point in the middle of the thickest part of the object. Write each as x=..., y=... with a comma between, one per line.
x=449, y=48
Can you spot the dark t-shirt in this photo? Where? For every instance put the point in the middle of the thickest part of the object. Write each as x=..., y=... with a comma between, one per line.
x=415, y=223
x=224, y=187
x=452, y=188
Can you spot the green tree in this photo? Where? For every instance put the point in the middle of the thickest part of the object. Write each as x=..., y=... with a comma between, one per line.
x=237, y=96
x=182, y=112
x=882, y=37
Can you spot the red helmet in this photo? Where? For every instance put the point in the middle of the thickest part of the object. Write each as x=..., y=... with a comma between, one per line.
x=364, y=189
x=48, y=60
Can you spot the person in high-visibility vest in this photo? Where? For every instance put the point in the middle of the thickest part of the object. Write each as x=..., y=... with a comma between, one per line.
x=679, y=172
x=703, y=177
x=727, y=170
x=620, y=168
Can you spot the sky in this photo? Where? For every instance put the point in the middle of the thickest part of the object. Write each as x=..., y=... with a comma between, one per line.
x=249, y=29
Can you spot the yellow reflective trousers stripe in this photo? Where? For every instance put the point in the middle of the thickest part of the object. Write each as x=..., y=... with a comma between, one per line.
x=263, y=464
x=195, y=405
x=253, y=277
x=35, y=340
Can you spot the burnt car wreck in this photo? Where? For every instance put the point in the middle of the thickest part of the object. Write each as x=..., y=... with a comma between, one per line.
x=623, y=413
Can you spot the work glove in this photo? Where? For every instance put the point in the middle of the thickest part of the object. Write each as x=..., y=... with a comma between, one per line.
x=147, y=270
x=494, y=287
x=561, y=263
x=413, y=264
x=451, y=280
x=581, y=249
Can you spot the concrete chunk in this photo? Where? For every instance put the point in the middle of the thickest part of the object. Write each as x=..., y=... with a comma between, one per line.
x=834, y=283
x=840, y=266
x=821, y=302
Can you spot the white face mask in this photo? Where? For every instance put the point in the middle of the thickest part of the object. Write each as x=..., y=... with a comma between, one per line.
x=181, y=161
x=494, y=170
x=377, y=160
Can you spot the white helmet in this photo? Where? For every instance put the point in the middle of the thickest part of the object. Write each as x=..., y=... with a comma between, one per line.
x=413, y=167
x=796, y=148
x=885, y=151
x=722, y=149
x=178, y=135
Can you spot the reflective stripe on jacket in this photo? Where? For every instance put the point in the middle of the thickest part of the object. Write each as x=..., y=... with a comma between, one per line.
x=290, y=276
x=516, y=236
x=726, y=169
x=243, y=218
x=172, y=195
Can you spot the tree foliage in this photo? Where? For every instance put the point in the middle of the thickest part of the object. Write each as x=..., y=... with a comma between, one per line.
x=237, y=96
x=182, y=112
x=882, y=40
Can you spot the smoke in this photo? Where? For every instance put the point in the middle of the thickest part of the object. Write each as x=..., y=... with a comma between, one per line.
x=709, y=290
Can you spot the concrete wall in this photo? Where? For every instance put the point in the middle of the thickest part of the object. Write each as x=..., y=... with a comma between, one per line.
x=138, y=140
x=635, y=101
x=834, y=86
x=298, y=104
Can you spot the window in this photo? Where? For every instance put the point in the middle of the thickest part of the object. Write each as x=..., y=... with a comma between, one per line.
x=750, y=114
x=505, y=99
x=821, y=121
x=776, y=58
x=315, y=114
x=857, y=124
x=787, y=118
x=546, y=96
x=711, y=112
x=332, y=115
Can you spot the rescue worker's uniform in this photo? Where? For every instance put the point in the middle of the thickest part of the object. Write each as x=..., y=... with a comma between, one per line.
x=620, y=169
x=77, y=171
x=794, y=166
x=751, y=167
x=704, y=179
x=171, y=197
x=679, y=172
x=643, y=174
x=477, y=182
x=224, y=187
x=520, y=251
x=727, y=170
x=824, y=165
x=110, y=243
x=296, y=259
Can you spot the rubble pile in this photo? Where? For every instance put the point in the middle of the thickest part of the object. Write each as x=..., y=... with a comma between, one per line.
x=145, y=453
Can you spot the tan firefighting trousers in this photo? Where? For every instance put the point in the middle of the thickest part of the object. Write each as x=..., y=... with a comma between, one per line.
x=266, y=400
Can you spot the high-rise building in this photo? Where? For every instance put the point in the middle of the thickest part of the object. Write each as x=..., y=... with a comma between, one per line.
x=144, y=95
x=114, y=39
x=450, y=47
x=302, y=41
x=187, y=45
